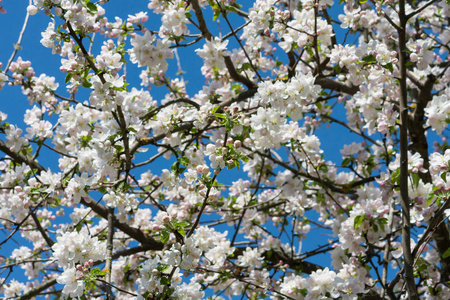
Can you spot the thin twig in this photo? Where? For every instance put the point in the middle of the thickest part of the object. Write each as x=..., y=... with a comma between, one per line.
x=17, y=46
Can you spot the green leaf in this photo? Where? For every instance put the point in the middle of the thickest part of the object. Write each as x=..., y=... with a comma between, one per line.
x=446, y=253
x=415, y=177
x=303, y=292
x=220, y=116
x=118, y=148
x=395, y=177
x=229, y=125
x=183, y=160
x=382, y=221
x=162, y=268
x=430, y=198
x=337, y=69
x=98, y=272
x=183, y=224
x=216, y=15
x=358, y=221
x=389, y=66
x=181, y=231
x=165, y=281
x=86, y=84
x=231, y=166
x=369, y=59
x=164, y=236
x=213, y=111
x=92, y=8
x=244, y=158
x=375, y=227
x=68, y=77
x=346, y=162
x=174, y=167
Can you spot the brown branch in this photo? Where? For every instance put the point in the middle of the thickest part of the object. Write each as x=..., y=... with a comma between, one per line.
x=39, y=227
x=201, y=20
x=109, y=251
x=123, y=128
x=205, y=202
x=330, y=84
x=207, y=34
x=235, y=75
x=153, y=112
x=37, y=290
x=360, y=133
x=275, y=257
x=420, y=9
x=134, y=233
x=20, y=158
x=343, y=189
x=49, y=283
x=404, y=198
x=250, y=83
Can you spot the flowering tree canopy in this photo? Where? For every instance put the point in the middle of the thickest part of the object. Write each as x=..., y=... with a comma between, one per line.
x=212, y=193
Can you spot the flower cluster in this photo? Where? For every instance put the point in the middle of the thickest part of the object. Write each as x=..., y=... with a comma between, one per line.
x=151, y=52
x=438, y=111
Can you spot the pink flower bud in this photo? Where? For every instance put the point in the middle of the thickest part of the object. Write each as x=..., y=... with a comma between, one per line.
x=199, y=169
x=25, y=64
x=205, y=170
x=32, y=10
x=58, y=11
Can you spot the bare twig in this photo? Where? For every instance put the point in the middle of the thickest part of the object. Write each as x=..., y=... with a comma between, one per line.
x=19, y=40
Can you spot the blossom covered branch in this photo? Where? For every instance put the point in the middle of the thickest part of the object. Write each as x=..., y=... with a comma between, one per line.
x=298, y=167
